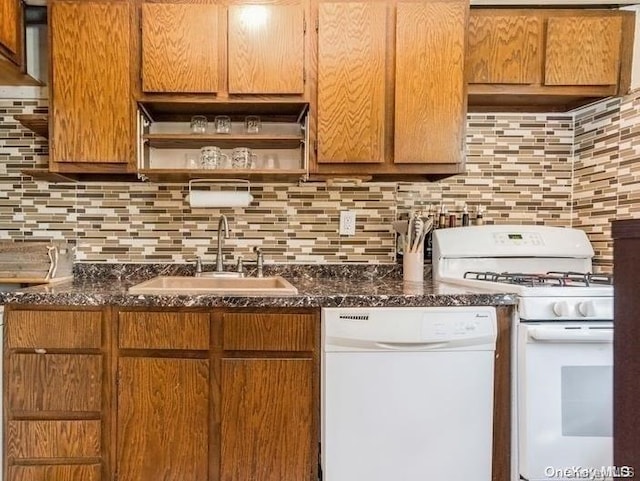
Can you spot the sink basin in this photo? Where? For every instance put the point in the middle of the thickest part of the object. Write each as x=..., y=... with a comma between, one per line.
x=258, y=286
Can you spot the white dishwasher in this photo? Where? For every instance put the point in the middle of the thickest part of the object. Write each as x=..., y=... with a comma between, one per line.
x=407, y=393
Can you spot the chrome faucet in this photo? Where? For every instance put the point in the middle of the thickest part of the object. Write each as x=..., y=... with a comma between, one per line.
x=222, y=224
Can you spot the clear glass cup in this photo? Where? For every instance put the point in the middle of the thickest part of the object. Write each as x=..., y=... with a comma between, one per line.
x=212, y=157
x=252, y=124
x=222, y=124
x=199, y=124
x=192, y=160
x=243, y=158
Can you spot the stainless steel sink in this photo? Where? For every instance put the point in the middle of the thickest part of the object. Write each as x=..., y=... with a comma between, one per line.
x=257, y=286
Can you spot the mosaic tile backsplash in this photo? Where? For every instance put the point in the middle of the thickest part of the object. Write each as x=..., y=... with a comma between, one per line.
x=520, y=168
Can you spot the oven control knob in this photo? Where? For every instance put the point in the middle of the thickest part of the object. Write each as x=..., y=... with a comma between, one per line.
x=561, y=308
x=587, y=308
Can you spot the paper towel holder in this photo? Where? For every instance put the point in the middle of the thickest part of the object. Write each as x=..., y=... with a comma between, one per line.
x=221, y=198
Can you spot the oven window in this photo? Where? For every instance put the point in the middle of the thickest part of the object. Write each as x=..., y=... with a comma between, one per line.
x=587, y=400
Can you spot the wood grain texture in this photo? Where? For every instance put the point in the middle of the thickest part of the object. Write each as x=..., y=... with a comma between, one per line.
x=430, y=109
x=55, y=382
x=63, y=472
x=164, y=330
x=501, y=457
x=351, y=82
x=163, y=420
x=626, y=342
x=9, y=23
x=179, y=48
x=53, y=329
x=267, y=420
x=268, y=332
x=266, y=49
x=504, y=49
x=583, y=50
x=90, y=85
x=53, y=439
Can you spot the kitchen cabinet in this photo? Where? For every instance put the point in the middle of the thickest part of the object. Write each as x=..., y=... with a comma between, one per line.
x=208, y=382
x=158, y=390
x=626, y=342
x=10, y=29
x=91, y=114
x=171, y=152
x=269, y=386
x=217, y=50
x=179, y=47
x=547, y=59
x=56, y=394
x=391, y=91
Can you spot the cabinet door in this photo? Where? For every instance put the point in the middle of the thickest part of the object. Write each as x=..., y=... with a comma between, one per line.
x=179, y=48
x=583, y=50
x=9, y=25
x=267, y=419
x=266, y=49
x=351, y=82
x=504, y=49
x=163, y=420
x=90, y=85
x=429, y=91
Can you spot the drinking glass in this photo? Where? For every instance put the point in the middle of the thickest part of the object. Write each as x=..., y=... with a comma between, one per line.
x=252, y=124
x=242, y=158
x=223, y=124
x=212, y=157
x=198, y=124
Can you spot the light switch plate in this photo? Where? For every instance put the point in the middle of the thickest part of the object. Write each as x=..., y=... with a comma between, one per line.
x=348, y=222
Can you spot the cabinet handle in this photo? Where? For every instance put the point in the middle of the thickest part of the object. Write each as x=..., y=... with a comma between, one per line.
x=41, y=351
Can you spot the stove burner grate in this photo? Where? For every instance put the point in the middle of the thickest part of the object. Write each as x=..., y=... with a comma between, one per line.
x=550, y=279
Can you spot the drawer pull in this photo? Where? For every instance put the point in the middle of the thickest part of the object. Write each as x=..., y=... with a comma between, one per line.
x=41, y=351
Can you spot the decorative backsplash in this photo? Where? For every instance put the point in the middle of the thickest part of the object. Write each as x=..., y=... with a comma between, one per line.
x=607, y=170
x=519, y=167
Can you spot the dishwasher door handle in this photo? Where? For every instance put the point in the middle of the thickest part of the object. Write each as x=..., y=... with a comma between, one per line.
x=411, y=346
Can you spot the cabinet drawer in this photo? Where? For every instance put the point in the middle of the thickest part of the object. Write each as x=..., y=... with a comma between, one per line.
x=268, y=332
x=66, y=472
x=53, y=439
x=55, y=382
x=54, y=329
x=164, y=330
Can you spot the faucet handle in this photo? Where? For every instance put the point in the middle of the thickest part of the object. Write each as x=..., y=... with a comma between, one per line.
x=239, y=266
x=259, y=260
x=198, y=261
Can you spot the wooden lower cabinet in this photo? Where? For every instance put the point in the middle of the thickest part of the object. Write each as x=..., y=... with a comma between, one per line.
x=222, y=396
x=267, y=420
x=56, y=393
x=163, y=419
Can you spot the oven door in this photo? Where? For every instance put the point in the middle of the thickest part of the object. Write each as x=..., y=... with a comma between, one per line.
x=565, y=398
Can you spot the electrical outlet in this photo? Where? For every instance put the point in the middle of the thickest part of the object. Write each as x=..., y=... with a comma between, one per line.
x=348, y=222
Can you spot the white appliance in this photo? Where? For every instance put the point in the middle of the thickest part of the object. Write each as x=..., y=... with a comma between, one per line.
x=563, y=344
x=407, y=393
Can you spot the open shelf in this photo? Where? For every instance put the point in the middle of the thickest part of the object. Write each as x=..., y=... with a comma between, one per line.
x=184, y=175
x=38, y=123
x=224, y=141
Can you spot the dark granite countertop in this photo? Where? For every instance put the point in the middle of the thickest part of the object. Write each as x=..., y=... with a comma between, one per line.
x=318, y=286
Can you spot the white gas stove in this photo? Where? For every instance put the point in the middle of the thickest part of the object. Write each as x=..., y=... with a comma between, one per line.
x=563, y=356
x=549, y=268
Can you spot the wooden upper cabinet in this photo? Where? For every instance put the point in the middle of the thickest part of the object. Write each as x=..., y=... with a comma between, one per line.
x=180, y=48
x=503, y=49
x=583, y=50
x=91, y=84
x=351, y=82
x=9, y=26
x=266, y=49
x=430, y=97
x=163, y=419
